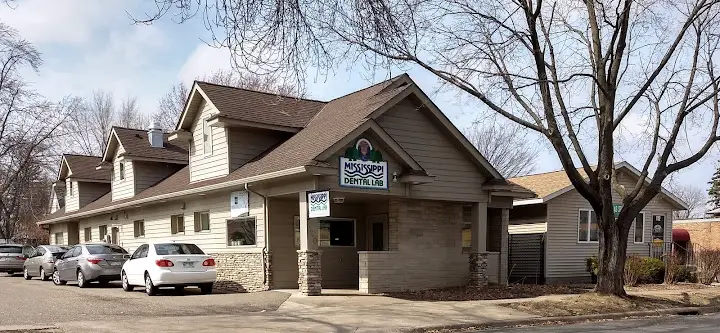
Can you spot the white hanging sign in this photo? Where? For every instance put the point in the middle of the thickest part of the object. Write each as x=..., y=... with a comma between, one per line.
x=363, y=167
x=239, y=204
x=318, y=204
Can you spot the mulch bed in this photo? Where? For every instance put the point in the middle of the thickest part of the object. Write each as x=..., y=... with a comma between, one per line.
x=491, y=292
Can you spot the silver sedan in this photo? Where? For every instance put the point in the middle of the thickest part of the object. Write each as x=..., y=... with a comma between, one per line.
x=87, y=263
x=41, y=262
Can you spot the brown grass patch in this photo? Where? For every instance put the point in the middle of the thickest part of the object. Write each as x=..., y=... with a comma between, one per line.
x=592, y=303
x=491, y=292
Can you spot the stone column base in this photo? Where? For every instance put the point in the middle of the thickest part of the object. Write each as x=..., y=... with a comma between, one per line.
x=478, y=269
x=310, y=273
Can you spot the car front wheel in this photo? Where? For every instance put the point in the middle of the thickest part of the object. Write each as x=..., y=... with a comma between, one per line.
x=26, y=274
x=150, y=288
x=125, y=284
x=56, y=279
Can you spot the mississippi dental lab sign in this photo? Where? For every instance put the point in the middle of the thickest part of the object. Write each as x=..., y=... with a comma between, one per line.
x=363, y=167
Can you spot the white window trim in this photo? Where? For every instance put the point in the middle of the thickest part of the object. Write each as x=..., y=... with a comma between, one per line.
x=209, y=223
x=227, y=236
x=644, y=214
x=121, y=170
x=207, y=150
x=577, y=227
x=173, y=222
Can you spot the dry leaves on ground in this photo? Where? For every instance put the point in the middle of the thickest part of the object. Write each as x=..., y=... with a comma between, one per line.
x=592, y=303
x=491, y=292
x=678, y=286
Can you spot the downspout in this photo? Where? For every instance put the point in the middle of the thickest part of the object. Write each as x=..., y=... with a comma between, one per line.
x=266, y=238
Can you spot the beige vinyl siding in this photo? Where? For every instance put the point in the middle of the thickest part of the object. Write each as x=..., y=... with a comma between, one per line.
x=89, y=192
x=72, y=202
x=456, y=176
x=565, y=256
x=157, y=223
x=333, y=183
x=59, y=227
x=147, y=174
x=122, y=189
x=202, y=165
x=94, y=224
x=245, y=144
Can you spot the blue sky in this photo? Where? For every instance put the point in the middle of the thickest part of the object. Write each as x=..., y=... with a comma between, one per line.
x=88, y=45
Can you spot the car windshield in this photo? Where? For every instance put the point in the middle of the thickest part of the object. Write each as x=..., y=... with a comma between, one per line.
x=11, y=249
x=172, y=249
x=105, y=249
x=56, y=249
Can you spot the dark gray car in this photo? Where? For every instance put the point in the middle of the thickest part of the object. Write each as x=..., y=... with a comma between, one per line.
x=41, y=262
x=12, y=257
x=87, y=263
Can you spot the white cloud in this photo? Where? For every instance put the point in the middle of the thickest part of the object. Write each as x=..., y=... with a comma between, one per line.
x=61, y=21
x=204, y=60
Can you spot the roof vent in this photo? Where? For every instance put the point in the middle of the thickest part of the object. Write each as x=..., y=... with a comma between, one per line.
x=155, y=135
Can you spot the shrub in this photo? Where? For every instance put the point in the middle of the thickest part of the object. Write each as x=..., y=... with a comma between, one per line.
x=643, y=270
x=633, y=270
x=673, y=269
x=708, y=265
x=591, y=265
x=686, y=274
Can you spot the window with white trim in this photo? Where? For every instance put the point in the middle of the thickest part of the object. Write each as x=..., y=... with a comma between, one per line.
x=139, y=228
x=177, y=224
x=242, y=231
x=201, y=221
x=207, y=137
x=587, y=226
x=640, y=228
x=122, y=170
x=71, y=188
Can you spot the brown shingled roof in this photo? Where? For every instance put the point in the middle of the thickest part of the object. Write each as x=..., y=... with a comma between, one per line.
x=83, y=166
x=136, y=143
x=544, y=184
x=255, y=106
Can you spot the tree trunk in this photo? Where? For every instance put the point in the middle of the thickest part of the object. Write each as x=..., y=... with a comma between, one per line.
x=611, y=257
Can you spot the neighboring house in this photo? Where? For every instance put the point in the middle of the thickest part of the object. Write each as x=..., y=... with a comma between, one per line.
x=568, y=228
x=697, y=234
x=375, y=191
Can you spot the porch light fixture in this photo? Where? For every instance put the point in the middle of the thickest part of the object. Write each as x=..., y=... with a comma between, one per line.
x=395, y=177
x=339, y=200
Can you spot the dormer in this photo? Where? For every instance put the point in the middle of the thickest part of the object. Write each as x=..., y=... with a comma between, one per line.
x=80, y=182
x=226, y=127
x=137, y=159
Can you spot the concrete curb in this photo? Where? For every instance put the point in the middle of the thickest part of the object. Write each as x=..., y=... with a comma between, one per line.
x=569, y=319
x=26, y=328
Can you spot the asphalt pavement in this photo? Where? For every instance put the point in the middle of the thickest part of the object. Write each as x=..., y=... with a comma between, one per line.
x=38, y=302
x=672, y=324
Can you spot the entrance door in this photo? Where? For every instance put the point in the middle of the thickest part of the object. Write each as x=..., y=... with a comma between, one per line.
x=378, y=232
x=115, y=233
x=657, y=247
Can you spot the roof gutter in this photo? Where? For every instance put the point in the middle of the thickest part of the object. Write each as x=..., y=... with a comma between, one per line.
x=209, y=188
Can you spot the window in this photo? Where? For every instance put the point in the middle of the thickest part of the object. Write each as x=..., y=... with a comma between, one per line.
x=207, y=138
x=139, y=228
x=587, y=226
x=122, y=170
x=56, y=249
x=202, y=221
x=640, y=228
x=467, y=229
x=39, y=252
x=336, y=233
x=177, y=224
x=141, y=252
x=242, y=231
x=105, y=249
x=70, y=188
x=59, y=238
x=70, y=253
x=88, y=234
x=11, y=249
x=175, y=249
x=103, y=232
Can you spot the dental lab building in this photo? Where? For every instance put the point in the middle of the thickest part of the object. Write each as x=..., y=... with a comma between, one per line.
x=375, y=191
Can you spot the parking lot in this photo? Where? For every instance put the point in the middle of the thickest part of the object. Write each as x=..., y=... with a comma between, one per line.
x=38, y=302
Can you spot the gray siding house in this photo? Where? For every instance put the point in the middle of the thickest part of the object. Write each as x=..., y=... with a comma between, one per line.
x=570, y=232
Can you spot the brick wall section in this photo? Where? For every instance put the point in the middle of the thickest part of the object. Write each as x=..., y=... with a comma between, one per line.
x=478, y=269
x=425, y=249
x=239, y=272
x=310, y=274
x=704, y=234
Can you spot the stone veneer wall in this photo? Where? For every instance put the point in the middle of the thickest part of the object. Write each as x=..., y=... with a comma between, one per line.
x=240, y=272
x=425, y=249
x=310, y=276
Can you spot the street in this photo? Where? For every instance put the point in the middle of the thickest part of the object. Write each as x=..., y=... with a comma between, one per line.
x=694, y=324
x=38, y=302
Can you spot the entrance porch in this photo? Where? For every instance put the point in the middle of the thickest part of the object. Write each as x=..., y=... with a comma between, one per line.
x=379, y=243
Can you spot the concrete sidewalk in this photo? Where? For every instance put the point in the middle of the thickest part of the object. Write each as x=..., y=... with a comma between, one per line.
x=334, y=313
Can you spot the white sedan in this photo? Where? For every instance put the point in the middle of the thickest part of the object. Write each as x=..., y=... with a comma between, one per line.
x=169, y=264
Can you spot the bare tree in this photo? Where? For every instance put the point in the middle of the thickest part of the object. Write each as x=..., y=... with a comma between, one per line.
x=172, y=103
x=576, y=72
x=506, y=147
x=129, y=115
x=694, y=197
x=28, y=126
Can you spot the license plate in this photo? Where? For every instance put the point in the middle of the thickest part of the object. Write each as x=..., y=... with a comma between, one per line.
x=6, y=259
x=115, y=263
x=188, y=264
